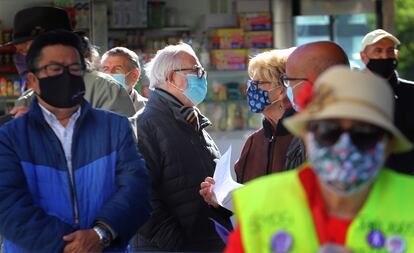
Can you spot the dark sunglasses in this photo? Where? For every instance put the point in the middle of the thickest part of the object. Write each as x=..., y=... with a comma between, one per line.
x=364, y=137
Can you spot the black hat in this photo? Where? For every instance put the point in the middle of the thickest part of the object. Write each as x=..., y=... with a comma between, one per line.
x=30, y=22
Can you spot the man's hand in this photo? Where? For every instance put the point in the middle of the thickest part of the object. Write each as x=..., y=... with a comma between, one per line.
x=207, y=193
x=82, y=241
x=19, y=110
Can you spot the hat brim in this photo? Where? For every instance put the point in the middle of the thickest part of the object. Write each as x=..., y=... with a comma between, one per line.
x=297, y=124
x=17, y=41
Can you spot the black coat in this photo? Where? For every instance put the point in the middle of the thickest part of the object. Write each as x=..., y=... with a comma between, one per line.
x=178, y=158
x=404, y=121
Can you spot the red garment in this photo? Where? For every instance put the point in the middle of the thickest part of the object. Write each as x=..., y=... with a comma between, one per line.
x=328, y=228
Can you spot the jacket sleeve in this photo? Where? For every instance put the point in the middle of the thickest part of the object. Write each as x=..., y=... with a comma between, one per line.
x=21, y=220
x=129, y=207
x=162, y=228
x=103, y=92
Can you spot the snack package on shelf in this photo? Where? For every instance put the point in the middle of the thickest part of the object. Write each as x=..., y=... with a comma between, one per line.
x=226, y=38
x=216, y=91
x=233, y=91
x=236, y=116
x=255, y=21
x=228, y=59
x=254, y=120
x=216, y=113
x=258, y=39
x=255, y=51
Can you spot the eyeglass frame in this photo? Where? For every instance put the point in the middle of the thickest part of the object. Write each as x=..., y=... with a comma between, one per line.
x=285, y=80
x=198, y=68
x=258, y=83
x=82, y=69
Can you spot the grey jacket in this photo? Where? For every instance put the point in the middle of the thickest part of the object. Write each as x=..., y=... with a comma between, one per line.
x=101, y=91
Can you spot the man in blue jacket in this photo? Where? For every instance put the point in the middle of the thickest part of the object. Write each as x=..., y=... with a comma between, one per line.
x=72, y=179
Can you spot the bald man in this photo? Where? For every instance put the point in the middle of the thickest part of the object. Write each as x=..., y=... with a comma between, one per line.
x=307, y=61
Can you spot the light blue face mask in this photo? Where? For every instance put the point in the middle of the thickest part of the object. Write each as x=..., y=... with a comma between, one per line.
x=289, y=93
x=120, y=78
x=291, y=96
x=197, y=88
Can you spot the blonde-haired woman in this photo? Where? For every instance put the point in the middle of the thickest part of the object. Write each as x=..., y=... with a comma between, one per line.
x=265, y=150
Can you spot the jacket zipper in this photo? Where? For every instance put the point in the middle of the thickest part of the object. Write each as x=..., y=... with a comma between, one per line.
x=270, y=156
x=72, y=185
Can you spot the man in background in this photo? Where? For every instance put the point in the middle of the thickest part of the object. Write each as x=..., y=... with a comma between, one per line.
x=123, y=65
x=379, y=54
x=102, y=91
x=306, y=63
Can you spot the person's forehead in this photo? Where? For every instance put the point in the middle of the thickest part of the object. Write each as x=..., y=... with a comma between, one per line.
x=59, y=53
x=187, y=58
x=115, y=60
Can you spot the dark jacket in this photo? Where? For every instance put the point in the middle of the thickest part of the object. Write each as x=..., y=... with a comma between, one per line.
x=404, y=120
x=264, y=152
x=178, y=158
x=38, y=202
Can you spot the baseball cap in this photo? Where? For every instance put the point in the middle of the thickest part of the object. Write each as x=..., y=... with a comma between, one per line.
x=377, y=35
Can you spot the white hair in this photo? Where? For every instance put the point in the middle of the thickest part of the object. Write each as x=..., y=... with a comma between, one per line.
x=164, y=61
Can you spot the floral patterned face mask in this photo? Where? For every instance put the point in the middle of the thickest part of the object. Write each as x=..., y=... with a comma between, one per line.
x=344, y=168
x=257, y=98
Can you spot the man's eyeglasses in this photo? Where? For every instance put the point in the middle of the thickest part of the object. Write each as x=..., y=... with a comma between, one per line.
x=55, y=69
x=200, y=72
x=364, y=137
x=285, y=80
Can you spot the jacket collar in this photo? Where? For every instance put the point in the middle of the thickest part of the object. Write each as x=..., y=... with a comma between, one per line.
x=36, y=111
x=162, y=98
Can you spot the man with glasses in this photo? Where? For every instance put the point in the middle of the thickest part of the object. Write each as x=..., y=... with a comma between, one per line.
x=379, y=53
x=59, y=190
x=179, y=155
x=305, y=63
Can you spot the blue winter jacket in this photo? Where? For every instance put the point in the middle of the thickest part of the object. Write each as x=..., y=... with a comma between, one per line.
x=37, y=207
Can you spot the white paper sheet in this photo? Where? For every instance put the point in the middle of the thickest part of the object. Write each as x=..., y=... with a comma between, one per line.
x=225, y=183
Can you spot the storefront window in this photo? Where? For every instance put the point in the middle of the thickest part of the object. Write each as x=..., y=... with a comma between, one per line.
x=346, y=30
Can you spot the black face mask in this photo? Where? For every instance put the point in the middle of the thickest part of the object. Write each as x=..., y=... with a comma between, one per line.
x=383, y=67
x=62, y=91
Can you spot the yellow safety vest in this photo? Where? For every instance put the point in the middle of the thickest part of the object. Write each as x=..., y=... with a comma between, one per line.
x=277, y=204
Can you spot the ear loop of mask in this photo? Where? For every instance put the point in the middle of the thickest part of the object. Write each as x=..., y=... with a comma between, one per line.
x=168, y=80
x=281, y=107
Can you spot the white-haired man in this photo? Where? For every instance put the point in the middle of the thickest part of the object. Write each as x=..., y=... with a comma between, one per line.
x=179, y=155
x=123, y=65
x=379, y=53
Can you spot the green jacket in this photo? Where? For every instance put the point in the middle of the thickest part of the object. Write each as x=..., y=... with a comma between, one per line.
x=102, y=91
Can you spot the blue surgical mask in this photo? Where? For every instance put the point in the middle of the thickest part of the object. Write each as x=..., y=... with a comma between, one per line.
x=291, y=96
x=120, y=78
x=197, y=88
x=344, y=168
